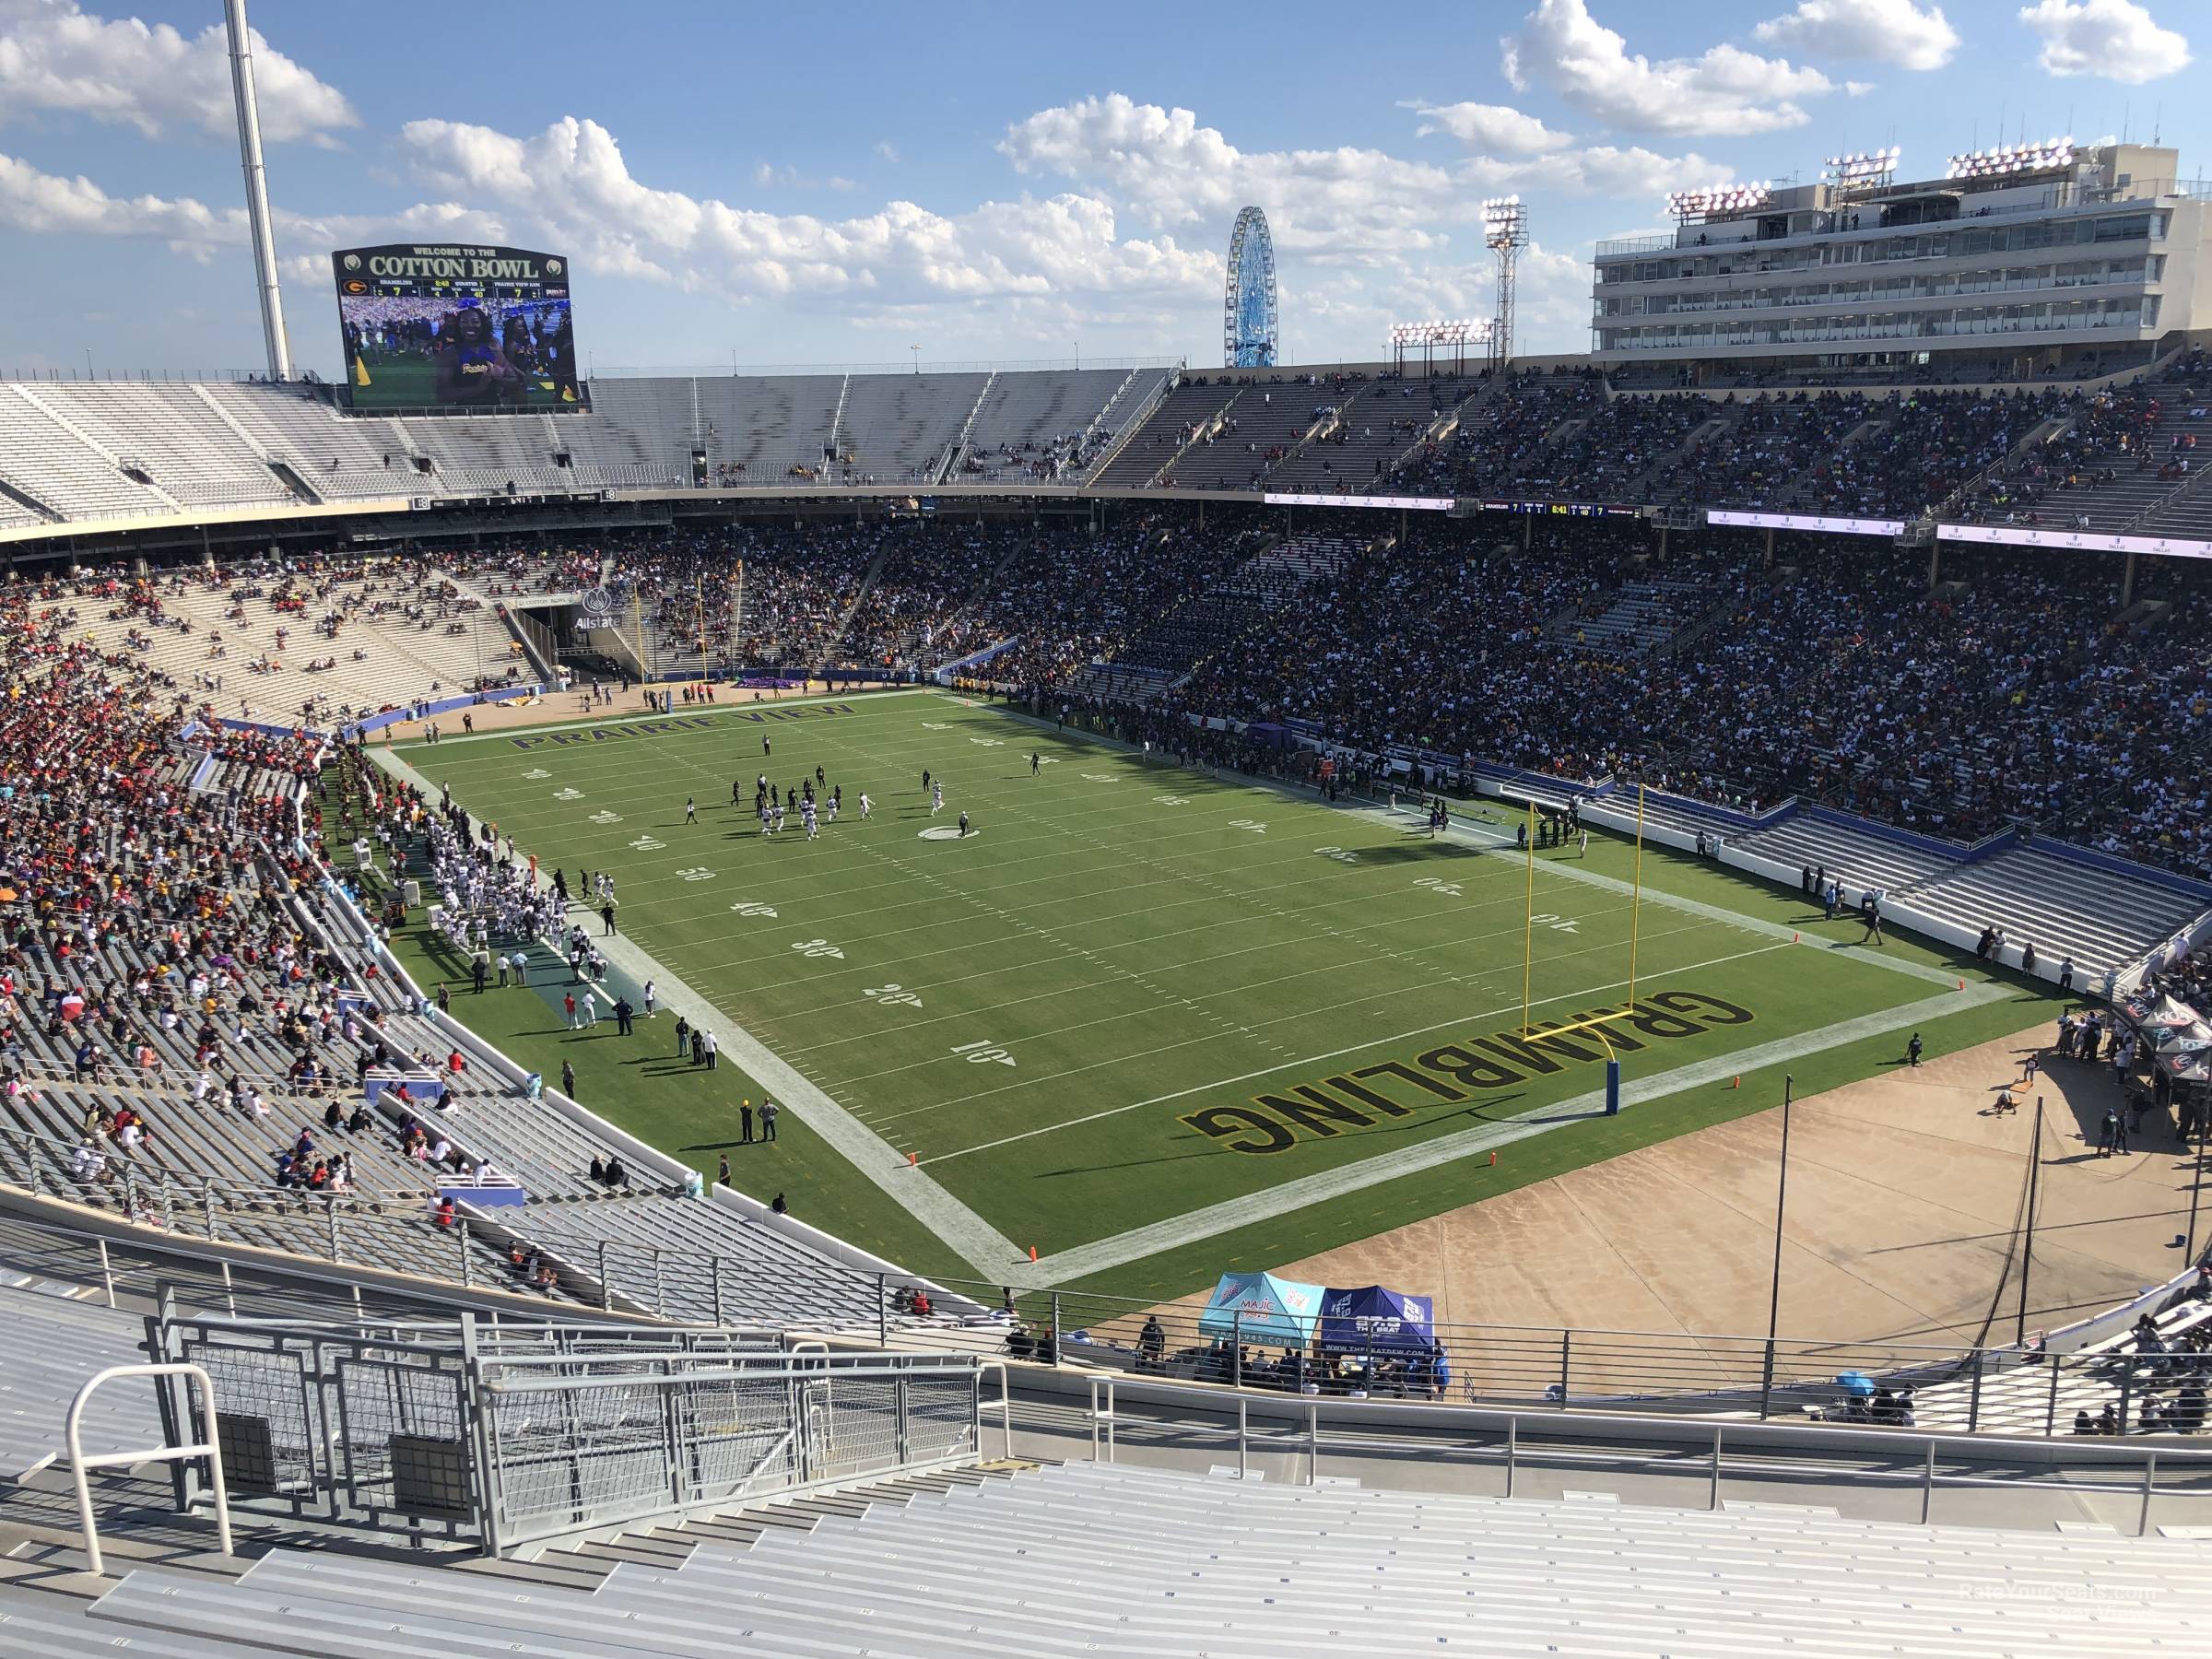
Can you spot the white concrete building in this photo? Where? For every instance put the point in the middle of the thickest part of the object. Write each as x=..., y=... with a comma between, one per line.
x=2033, y=262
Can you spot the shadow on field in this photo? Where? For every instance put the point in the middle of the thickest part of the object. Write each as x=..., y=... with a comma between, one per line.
x=1133, y=1163
x=1421, y=850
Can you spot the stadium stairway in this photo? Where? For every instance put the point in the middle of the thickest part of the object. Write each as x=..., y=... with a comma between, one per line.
x=2102, y=919
x=1854, y=857
x=1095, y=1559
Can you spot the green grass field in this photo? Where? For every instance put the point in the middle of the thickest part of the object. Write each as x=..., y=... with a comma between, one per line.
x=411, y=383
x=1151, y=1023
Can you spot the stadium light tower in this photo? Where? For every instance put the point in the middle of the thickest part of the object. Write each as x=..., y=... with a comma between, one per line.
x=257, y=191
x=1505, y=233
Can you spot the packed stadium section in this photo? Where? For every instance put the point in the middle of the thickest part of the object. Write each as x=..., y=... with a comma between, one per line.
x=1262, y=918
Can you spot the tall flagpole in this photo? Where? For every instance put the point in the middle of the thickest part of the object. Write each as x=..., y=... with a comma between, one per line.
x=257, y=191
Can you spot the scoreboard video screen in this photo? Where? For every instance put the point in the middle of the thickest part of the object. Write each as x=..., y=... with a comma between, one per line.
x=456, y=327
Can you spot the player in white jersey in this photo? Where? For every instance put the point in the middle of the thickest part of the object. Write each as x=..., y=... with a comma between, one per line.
x=778, y=809
x=936, y=798
x=813, y=824
x=865, y=805
x=832, y=809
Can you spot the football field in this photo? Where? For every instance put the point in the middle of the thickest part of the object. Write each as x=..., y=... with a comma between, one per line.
x=1146, y=1020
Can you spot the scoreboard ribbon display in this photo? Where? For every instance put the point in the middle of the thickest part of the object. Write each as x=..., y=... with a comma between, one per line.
x=455, y=327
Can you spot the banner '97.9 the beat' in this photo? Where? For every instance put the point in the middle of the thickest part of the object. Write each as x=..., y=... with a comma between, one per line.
x=456, y=327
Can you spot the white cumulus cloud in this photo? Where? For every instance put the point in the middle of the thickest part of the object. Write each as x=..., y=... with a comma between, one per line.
x=2116, y=39
x=1561, y=47
x=573, y=184
x=49, y=203
x=1884, y=31
x=54, y=55
x=1167, y=170
x=46, y=202
x=1496, y=128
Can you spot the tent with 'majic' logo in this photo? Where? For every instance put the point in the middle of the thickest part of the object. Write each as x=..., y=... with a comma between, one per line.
x=1260, y=1308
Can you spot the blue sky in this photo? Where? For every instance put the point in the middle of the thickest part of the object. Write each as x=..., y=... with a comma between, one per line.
x=838, y=185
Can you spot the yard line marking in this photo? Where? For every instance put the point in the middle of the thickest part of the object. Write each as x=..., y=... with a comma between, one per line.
x=1501, y=846
x=984, y=1246
x=1356, y=1048
x=1293, y=1017
x=1425, y=914
x=1211, y=1221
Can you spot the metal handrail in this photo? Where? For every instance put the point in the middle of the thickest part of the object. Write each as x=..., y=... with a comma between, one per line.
x=770, y=1371
x=210, y=1449
x=1608, y=1433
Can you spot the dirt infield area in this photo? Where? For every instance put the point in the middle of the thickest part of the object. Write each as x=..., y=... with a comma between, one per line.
x=1907, y=1197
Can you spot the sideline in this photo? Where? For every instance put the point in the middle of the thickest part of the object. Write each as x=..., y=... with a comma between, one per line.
x=1270, y=1202
x=716, y=711
x=990, y=1252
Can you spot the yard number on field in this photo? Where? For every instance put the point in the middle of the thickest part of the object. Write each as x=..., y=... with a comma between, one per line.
x=697, y=872
x=1341, y=855
x=1171, y=800
x=536, y=772
x=605, y=816
x=752, y=907
x=568, y=794
x=645, y=844
x=817, y=947
x=1436, y=884
x=983, y=1052
x=1557, y=923
x=893, y=997
x=1252, y=824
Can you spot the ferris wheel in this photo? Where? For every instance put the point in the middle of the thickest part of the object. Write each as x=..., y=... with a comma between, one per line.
x=1248, y=320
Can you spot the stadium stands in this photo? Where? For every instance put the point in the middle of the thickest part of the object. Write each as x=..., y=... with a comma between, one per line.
x=58, y=1335
x=1190, y=414
x=902, y=429
x=2116, y=457
x=1039, y=427
x=336, y=458
x=326, y=638
x=760, y=432
x=62, y=473
x=1091, y=1558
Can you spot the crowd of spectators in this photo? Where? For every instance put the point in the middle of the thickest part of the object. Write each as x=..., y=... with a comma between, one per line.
x=915, y=611
x=2011, y=691
x=2148, y=429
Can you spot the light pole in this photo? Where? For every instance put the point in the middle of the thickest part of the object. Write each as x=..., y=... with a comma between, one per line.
x=917, y=352
x=1782, y=1199
x=87, y=362
x=2196, y=1178
x=2035, y=1167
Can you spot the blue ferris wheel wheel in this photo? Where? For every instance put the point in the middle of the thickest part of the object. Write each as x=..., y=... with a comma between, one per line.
x=1248, y=320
